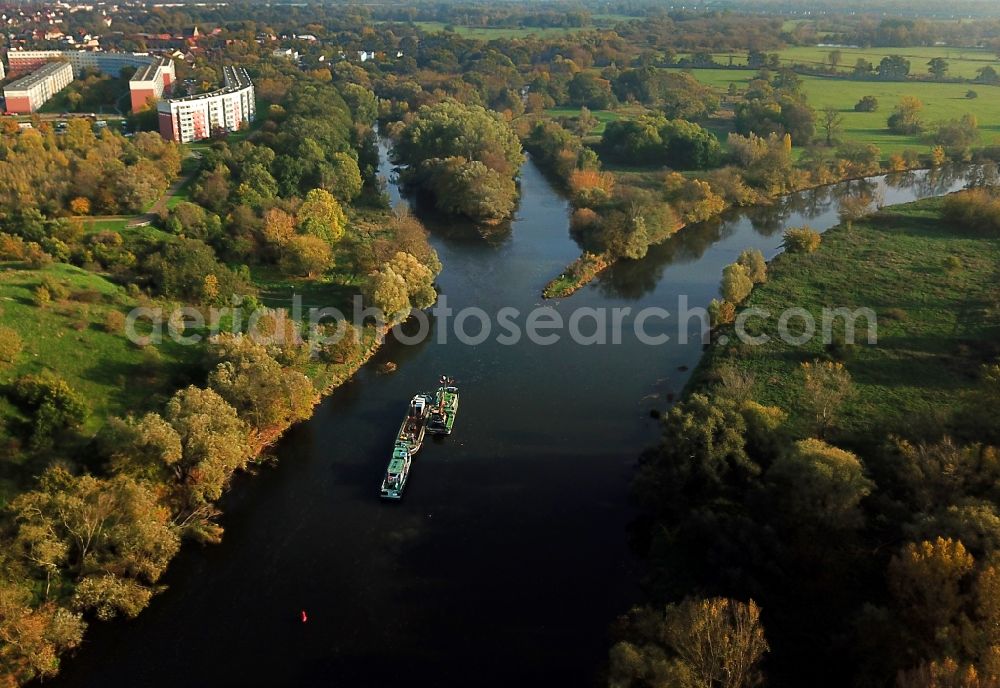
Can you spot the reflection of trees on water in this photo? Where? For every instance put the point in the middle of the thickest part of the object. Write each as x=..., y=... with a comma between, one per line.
x=983, y=175
x=942, y=180
x=632, y=279
x=768, y=220
x=811, y=203
x=451, y=228
x=397, y=351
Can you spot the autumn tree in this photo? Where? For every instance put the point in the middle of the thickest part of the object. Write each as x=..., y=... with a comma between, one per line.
x=195, y=445
x=418, y=277
x=264, y=394
x=905, y=117
x=736, y=283
x=10, y=345
x=928, y=582
x=306, y=256
x=33, y=636
x=693, y=644
x=821, y=485
x=826, y=385
x=278, y=227
x=753, y=262
x=90, y=526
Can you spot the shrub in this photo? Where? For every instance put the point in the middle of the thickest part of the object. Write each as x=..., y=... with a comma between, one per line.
x=801, y=240
x=42, y=296
x=57, y=289
x=53, y=405
x=866, y=104
x=976, y=210
x=114, y=322
x=590, y=187
x=10, y=345
x=721, y=312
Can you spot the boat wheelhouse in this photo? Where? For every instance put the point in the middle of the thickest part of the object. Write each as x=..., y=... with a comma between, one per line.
x=411, y=432
x=397, y=473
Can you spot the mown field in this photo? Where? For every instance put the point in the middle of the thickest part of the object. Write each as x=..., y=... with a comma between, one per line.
x=941, y=102
x=962, y=62
x=933, y=336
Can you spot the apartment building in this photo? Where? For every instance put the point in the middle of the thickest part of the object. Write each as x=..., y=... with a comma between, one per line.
x=154, y=75
x=199, y=116
x=29, y=92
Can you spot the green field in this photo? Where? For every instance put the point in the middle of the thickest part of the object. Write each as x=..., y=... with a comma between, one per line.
x=941, y=102
x=602, y=116
x=489, y=33
x=69, y=337
x=962, y=62
x=932, y=336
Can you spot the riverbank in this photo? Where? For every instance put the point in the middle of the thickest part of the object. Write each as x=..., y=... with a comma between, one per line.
x=816, y=478
x=589, y=266
x=928, y=283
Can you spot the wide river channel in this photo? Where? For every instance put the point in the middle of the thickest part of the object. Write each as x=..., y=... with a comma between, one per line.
x=508, y=557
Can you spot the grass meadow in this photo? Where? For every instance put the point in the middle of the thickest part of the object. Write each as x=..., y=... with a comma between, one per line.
x=932, y=338
x=942, y=101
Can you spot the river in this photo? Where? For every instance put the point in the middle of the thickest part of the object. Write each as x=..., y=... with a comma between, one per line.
x=507, y=559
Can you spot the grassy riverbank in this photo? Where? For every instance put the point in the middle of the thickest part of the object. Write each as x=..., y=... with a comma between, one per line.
x=932, y=287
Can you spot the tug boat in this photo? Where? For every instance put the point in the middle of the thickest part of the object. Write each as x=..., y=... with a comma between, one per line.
x=396, y=473
x=442, y=414
x=411, y=432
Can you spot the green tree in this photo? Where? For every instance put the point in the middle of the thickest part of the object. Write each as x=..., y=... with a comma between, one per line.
x=938, y=67
x=821, y=485
x=419, y=279
x=470, y=188
x=866, y=104
x=321, y=216
x=342, y=177
x=450, y=129
x=832, y=123
x=893, y=68
x=388, y=292
x=53, y=406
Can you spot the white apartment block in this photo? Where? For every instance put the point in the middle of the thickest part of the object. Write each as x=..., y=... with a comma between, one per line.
x=199, y=116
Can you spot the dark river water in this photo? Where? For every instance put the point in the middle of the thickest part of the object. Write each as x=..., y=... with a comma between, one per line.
x=507, y=559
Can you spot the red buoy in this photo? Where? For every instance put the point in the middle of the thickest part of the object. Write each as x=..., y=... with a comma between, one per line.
x=304, y=617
